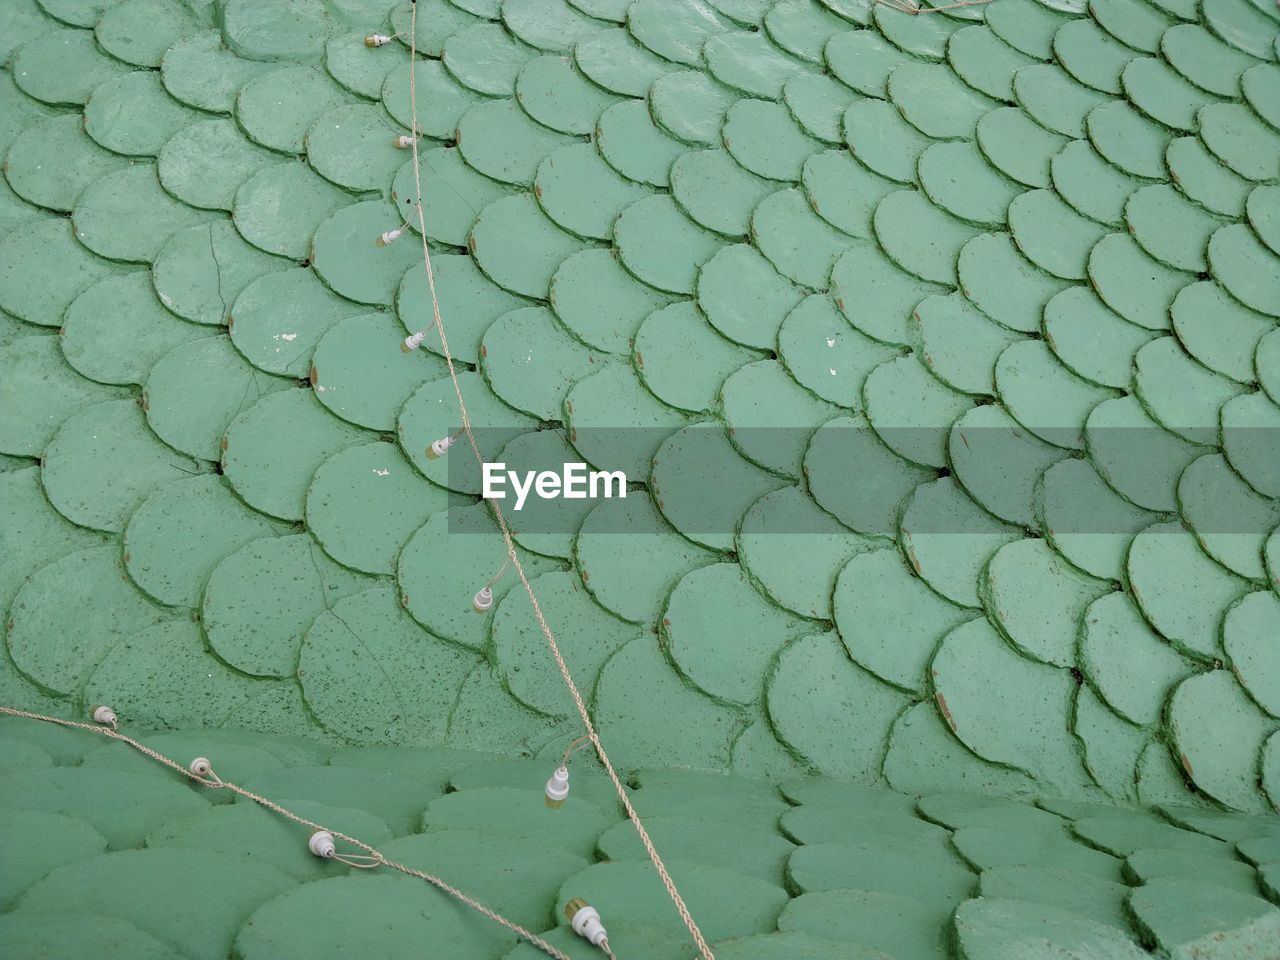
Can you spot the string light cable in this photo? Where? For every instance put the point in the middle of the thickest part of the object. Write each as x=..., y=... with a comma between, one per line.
x=681, y=907
x=557, y=788
x=483, y=600
x=322, y=840
x=905, y=6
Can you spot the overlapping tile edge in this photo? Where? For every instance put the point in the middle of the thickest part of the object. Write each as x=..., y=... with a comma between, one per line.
x=1152, y=680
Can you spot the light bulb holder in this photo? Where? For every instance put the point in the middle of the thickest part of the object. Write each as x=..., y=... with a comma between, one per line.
x=388, y=238
x=321, y=844
x=585, y=920
x=200, y=766
x=557, y=789
x=104, y=715
x=482, y=602
x=413, y=341
x=404, y=142
x=440, y=447
x=377, y=40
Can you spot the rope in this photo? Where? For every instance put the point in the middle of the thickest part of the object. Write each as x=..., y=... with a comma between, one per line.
x=371, y=858
x=904, y=6
x=667, y=882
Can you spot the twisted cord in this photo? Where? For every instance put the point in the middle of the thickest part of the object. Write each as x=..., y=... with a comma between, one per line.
x=904, y=6
x=583, y=714
x=373, y=856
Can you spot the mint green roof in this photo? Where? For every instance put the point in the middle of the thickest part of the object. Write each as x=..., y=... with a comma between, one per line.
x=940, y=350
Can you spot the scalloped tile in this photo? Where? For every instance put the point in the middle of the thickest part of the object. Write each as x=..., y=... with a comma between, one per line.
x=134, y=114
x=1089, y=339
x=1131, y=667
x=360, y=373
x=862, y=60
x=824, y=731
x=587, y=634
x=47, y=646
x=519, y=247
x=157, y=555
x=200, y=71
x=599, y=302
x=1204, y=59
x=1091, y=55
x=1085, y=520
x=1218, y=733
x=532, y=336
x=875, y=296
x=689, y=461
x=554, y=26
x=743, y=297
x=612, y=60
x=725, y=654
x=227, y=384
x=442, y=100
x=431, y=413
x=825, y=355
x=1164, y=96
x=581, y=193
x=682, y=360
x=43, y=268
x=281, y=341
x=1054, y=99
x=1245, y=268
x=40, y=391
x=469, y=303
x=750, y=63
x=670, y=264
x=366, y=646
x=635, y=594
x=793, y=551
x=52, y=162
x=1133, y=284
x=930, y=519
x=1178, y=393
x=715, y=192
x=800, y=244
x=985, y=62
x=1229, y=519
x=847, y=444
x=471, y=538
x=817, y=103
x=978, y=683
x=889, y=621
x=1017, y=146
x=702, y=740
x=205, y=163
x=882, y=140
x=558, y=96
x=1089, y=184
x=127, y=216
x=765, y=140
x=1246, y=422
x=499, y=140
x=998, y=464
x=346, y=256
x=272, y=449
x=1182, y=593
x=1045, y=397
x=1135, y=456
x=919, y=237
x=62, y=67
